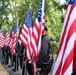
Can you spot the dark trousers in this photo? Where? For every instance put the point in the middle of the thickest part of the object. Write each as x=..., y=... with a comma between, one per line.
x=74, y=73
x=23, y=69
x=1, y=57
x=15, y=61
x=9, y=58
x=29, y=69
x=20, y=60
x=5, y=55
x=12, y=59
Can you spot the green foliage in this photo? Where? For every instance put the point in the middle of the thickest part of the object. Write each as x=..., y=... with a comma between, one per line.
x=54, y=19
x=54, y=46
x=54, y=15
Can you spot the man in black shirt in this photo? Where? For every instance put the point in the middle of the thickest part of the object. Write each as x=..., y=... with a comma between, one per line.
x=45, y=58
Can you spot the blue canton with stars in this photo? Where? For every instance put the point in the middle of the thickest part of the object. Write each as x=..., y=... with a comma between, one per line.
x=15, y=28
x=28, y=20
x=72, y=2
x=39, y=14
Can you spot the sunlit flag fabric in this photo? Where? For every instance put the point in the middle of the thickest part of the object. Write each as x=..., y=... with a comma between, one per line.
x=2, y=41
x=25, y=29
x=14, y=38
x=64, y=61
x=7, y=37
x=38, y=27
x=28, y=27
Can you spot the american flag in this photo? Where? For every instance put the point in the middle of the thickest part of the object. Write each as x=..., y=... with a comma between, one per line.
x=11, y=44
x=14, y=38
x=2, y=41
x=24, y=32
x=38, y=27
x=64, y=61
x=28, y=27
x=7, y=37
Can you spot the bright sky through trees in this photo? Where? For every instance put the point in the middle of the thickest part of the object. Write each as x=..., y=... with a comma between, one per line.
x=62, y=1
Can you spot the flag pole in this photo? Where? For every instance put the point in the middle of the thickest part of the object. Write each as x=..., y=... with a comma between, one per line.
x=17, y=42
x=17, y=39
x=8, y=45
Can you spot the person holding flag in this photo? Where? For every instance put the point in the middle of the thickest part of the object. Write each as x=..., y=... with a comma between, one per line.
x=10, y=52
x=32, y=41
x=7, y=40
x=25, y=37
x=38, y=27
x=46, y=53
x=2, y=42
x=14, y=47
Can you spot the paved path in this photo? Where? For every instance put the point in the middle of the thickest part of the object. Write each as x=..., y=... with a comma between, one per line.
x=5, y=70
x=11, y=72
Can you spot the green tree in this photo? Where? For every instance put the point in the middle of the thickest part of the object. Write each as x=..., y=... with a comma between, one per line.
x=13, y=10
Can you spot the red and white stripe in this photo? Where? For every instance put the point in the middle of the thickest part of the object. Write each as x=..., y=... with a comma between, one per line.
x=64, y=61
x=7, y=39
x=14, y=37
x=24, y=35
x=35, y=43
x=10, y=44
x=2, y=41
x=29, y=51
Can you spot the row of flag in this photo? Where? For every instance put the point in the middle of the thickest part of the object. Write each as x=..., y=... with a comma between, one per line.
x=30, y=36
x=8, y=40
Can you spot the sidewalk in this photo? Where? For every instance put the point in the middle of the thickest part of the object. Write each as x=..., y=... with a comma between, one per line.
x=3, y=71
